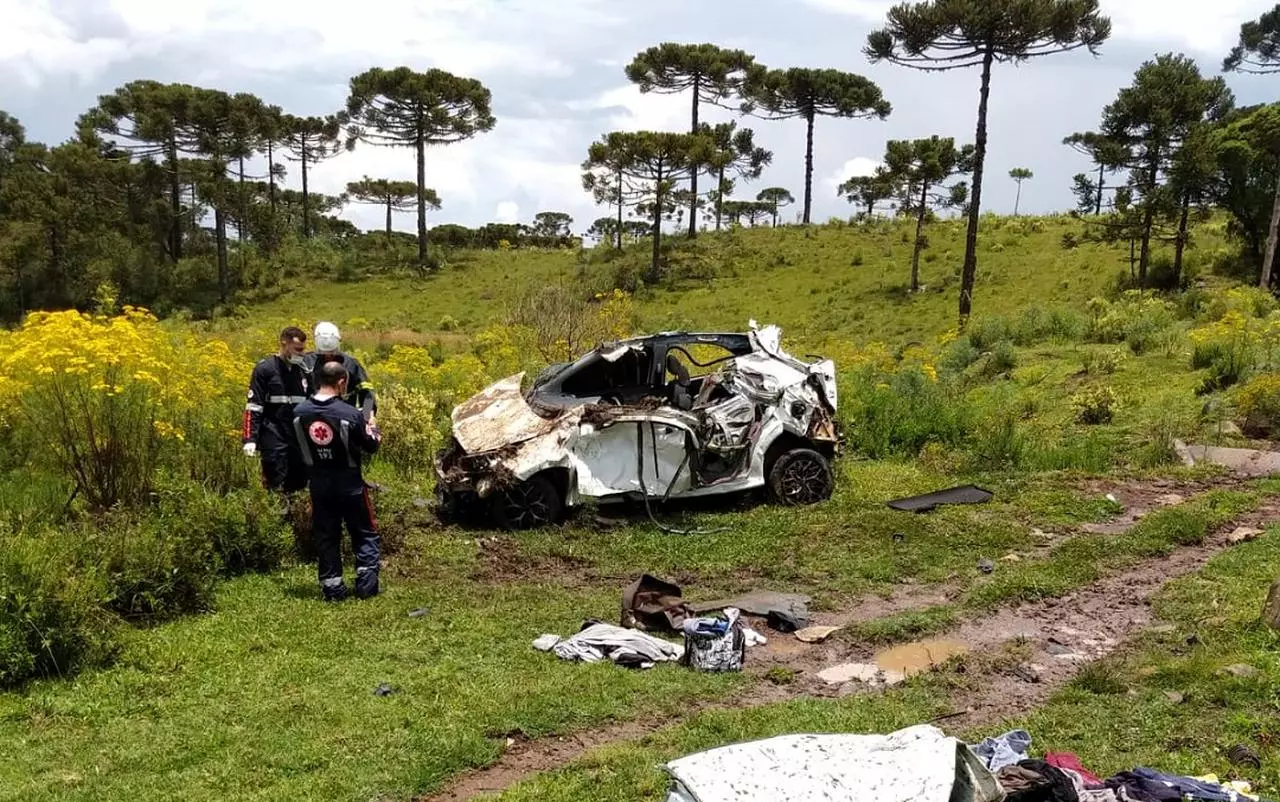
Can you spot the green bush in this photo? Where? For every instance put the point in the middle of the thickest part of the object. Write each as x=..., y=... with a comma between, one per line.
x=986, y=333
x=51, y=621
x=1002, y=359
x=1034, y=325
x=1258, y=403
x=958, y=356
x=998, y=442
x=1095, y=405
x=1102, y=362
x=157, y=567
x=898, y=415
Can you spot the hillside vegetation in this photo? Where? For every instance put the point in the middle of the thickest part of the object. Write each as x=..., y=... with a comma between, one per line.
x=845, y=279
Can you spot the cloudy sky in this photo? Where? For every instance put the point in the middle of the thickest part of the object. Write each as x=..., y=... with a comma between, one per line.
x=555, y=68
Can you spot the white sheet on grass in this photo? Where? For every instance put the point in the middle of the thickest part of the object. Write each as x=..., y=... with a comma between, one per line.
x=917, y=764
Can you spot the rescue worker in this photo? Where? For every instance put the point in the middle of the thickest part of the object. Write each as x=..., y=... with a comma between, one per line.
x=360, y=390
x=334, y=438
x=278, y=384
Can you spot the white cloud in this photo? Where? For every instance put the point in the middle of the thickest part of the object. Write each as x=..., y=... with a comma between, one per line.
x=637, y=111
x=507, y=212
x=1208, y=27
x=857, y=166
x=465, y=36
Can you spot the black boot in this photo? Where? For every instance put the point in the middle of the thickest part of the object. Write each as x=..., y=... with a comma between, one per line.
x=336, y=593
x=366, y=583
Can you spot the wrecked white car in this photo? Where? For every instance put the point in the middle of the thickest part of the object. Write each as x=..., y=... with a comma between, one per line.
x=672, y=415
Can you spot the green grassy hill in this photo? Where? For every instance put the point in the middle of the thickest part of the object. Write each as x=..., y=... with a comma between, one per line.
x=848, y=280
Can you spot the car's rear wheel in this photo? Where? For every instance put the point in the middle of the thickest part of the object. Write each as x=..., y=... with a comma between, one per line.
x=529, y=504
x=801, y=476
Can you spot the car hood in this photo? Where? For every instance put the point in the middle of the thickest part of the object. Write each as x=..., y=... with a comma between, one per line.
x=498, y=416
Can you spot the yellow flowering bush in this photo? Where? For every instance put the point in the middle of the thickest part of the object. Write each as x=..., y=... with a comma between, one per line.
x=1258, y=403
x=1234, y=345
x=106, y=399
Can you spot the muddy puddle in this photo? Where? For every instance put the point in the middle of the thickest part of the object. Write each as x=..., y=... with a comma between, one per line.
x=910, y=659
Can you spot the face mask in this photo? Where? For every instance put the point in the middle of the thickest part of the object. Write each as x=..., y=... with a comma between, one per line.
x=296, y=359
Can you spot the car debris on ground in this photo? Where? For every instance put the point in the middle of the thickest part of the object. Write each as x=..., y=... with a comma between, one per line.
x=965, y=494
x=652, y=418
x=922, y=764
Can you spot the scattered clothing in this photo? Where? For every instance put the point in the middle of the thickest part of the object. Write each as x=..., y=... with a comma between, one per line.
x=544, y=643
x=652, y=605
x=1037, y=781
x=1068, y=760
x=598, y=641
x=1006, y=750
x=1089, y=792
x=1244, y=789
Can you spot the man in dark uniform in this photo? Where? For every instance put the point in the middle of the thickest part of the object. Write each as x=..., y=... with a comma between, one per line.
x=334, y=437
x=279, y=383
x=359, y=392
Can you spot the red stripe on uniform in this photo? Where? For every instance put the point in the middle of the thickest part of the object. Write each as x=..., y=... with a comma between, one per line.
x=368, y=505
x=248, y=424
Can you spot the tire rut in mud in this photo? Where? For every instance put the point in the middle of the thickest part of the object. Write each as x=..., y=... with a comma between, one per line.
x=1057, y=636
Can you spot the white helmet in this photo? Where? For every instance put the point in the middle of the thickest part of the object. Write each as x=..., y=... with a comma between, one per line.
x=327, y=338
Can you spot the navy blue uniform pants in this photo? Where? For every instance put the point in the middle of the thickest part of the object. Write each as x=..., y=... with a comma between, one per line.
x=331, y=507
x=282, y=466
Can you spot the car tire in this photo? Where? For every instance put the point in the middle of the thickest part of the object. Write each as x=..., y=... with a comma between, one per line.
x=799, y=477
x=528, y=505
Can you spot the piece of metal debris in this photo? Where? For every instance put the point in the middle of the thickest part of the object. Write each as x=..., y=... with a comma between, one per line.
x=1244, y=534
x=419, y=613
x=965, y=494
x=384, y=690
x=786, y=621
x=815, y=634
x=986, y=566
x=757, y=602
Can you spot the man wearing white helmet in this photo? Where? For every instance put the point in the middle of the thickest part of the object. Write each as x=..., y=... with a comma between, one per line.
x=359, y=388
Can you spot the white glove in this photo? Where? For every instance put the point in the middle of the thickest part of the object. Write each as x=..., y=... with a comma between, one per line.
x=250, y=449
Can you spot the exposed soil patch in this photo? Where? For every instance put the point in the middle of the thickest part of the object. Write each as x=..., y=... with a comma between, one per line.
x=1052, y=640
x=501, y=560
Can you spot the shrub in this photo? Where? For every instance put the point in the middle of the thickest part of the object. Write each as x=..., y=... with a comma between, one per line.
x=999, y=361
x=154, y=572
x=101, y=396
x=565, y=324
x=1095, y=405
x=1232, y=347
x=897, y=414
x=1034, y=325
x=958, y=356
x=1258, y=403
x=413, y=431
x=986, y=333
x=50, y=619
x=998, y=442
x=1102, y=362
x=1134, y=318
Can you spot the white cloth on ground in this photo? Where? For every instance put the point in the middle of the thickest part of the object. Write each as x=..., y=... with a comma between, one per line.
x=600, y=641
x=918, y=764
x=546, y=642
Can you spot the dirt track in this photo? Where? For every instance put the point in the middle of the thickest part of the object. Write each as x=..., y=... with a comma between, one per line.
x=1056, y=638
